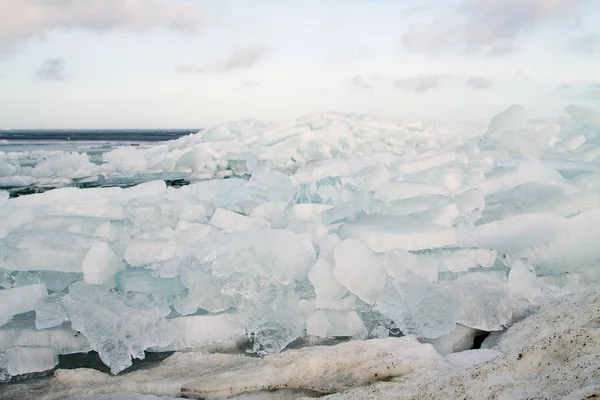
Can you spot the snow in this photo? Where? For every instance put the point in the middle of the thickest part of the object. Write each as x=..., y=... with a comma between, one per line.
x=325, y=226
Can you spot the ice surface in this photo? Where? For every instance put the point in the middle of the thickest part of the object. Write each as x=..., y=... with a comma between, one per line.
x=200, y=330
x=21, y=331
x=19, y=300
x=118, y=326
x=100, y=265
x=386, y=233
x=49, y=312
x=418, y=307
x=330, y=224
x=485, y=301
x=49, y=250
x=358, y=269
x=327, y=323
x=25, y=360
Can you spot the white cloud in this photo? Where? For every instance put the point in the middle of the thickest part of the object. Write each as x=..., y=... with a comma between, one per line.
x=420, y=83
x=239, y=58
x=587, y=44
x=24, y=19
x=360, y=82
x=589, y=90
x=53, y=69
x=479, y=83
x=485, y=26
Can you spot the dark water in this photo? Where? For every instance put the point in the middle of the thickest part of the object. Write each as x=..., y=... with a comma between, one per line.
x=112, y=135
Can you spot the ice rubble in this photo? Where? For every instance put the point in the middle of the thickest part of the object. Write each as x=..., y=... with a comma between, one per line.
x=330, y=225
x=546, y=355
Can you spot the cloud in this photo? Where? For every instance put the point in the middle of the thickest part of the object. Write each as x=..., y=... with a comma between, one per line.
x=588, y=90
x=360, y=82
x=25, y=19
x=244, y=57
x=420, y=83
x=587, y=44
x=240, y=57
x=53, y=69
x=485, y=26
x=479, y=83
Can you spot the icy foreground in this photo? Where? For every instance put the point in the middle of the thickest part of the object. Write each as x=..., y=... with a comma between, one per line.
x=327, y=226
x=546, y=355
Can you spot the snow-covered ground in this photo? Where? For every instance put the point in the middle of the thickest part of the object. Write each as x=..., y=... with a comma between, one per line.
x=325, y=226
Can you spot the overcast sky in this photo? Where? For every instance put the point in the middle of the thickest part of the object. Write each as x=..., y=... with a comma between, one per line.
x=194, y=63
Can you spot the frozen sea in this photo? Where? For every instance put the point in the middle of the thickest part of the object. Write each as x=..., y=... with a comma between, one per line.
x=329, y=256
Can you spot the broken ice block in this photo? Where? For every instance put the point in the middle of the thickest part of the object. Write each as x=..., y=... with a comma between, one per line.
x=49, y=312
x=26, y=360
x=141, y=280
x=19, y=300
x=100, y=265
x=516, y=233
x=16, y=220
x=398, y=262
x=118, y=326
x=384, y=233
x=358, y=269
x=391, y=191
x=523, y=282
x=328, y=323
x=326, y=286
x=234, y=222
x=21, y=331
x=308, y=211
x=201, y=330
x=418, y=307
x=139, y=253
x=485, y=301
x=204, y=291
x=47, y=250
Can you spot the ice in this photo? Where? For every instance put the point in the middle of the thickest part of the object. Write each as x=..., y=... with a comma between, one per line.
x=382, y=234
x=16, y=220
x=460, y=339
x=25, y=360
x=49, y=312
x=50, y=250
x=327, y=323
x=327, y=225
x=398, y=262
x=19, y=300
x=143, y=252
x=271, y=312
x=516, y=233
x=308, y=212
x=358, y=269
x=234, y=222
x=100, y=265
x=200, y=330
x=391, y=191
x=418, y=307
x=484, y=301
x=21, y=331
x=142, y=280
x=118, y=326
x=523, y=282
x=204, y=291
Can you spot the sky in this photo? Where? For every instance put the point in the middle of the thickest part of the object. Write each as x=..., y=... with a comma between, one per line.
x=196, y=63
